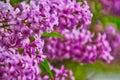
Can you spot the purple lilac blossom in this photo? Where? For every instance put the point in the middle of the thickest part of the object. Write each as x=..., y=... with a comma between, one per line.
x=60, y=74
x=10, y=40
x=25, y=67
x=78, y=45
x=72, y=13
x=44, y=15
x=16, y=66
x=21, y=66
x=112, y=6
x=14, y=35
x=113, y=36
x=35, y=16
x=17, y=25
x=64, y=73
x=25, y=20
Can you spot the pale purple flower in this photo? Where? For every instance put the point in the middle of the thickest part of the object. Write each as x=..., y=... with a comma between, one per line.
x=78, y=45
x=104, y=48
x=15, y=35
x=72, y=13
x=112, y=6
x=20, y=22
x=34, y=49
x=44, y=15
x=36, y=16
x=63, y=74
x=60, y=73
x=113, y=36
x=16, y=66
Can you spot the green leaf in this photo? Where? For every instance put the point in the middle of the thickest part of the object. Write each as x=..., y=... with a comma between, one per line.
x=29, y=1
x=80, y=71
x=5, y=24
x=107, y=20
x=20, y=50
x=116, y=21
x=45, y=67
x=31, y=38
x=52, y=34
x=3, y=0
x=37, y=52
x=14, y=2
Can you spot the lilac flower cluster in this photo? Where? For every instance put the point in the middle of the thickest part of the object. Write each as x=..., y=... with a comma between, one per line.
x=78, y=45
x=72, y=13
x=113, y=36
x=25, y=67
x=18, y=58
x=16, y=66
x=33, y=15
x=64, y=73
x=45, y=14
x=112, y=6
x=21, y=27
x=21, y=44
x=60, y=74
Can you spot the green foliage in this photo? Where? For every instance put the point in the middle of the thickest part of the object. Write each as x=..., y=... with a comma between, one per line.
x=98, y=15
x=52, y=34
x=20, y=50
x=95, y=9
x=46, y=68
x=14, y=2
x=3, y=0
x=5, y=24
x=107, y=20
x=31, y=38
x=81, y=71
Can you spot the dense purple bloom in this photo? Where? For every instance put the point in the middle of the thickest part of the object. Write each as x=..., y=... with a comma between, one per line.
x=78, y=45
x=60, y=74
x=64, y=73
x=72, y=13
x=35, y=15
x=21, y=45
x=34, y=49
x=44, y=15
x=25, y=67
x=14, y=35
x=113, y=36
x=16, y=66
x=112, y=6
x=10, y=40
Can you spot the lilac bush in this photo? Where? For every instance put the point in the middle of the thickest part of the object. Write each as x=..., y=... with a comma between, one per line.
x=25, y=67
x=16, y=66
x=113, y=36
x=60, y=74
x=78, y=45
x=34, y=15
x=112, y=6
x=72, y=13
x=23, y=48
x=21, y=45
